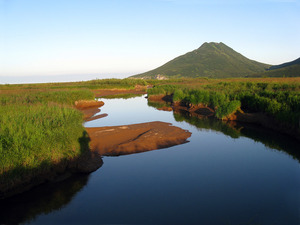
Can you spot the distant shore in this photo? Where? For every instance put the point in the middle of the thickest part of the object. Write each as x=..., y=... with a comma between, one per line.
x=240, y=116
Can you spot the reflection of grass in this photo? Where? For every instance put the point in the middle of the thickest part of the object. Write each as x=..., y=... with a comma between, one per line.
x=207, y=123
x=123, y=96
x=158, y=105
x=43, y=200
x=268, y=137
x=37, y=132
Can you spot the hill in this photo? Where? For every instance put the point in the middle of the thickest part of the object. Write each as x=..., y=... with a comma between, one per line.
x=292, y=63
x=210, y=60
x=289, y=69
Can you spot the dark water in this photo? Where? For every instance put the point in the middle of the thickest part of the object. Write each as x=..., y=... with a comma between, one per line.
x=226, y=174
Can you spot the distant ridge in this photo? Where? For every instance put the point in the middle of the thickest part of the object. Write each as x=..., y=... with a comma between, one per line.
x=289, y=69
x=214, y=60
x=295, y=62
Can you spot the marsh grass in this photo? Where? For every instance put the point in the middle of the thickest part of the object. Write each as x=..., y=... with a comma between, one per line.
x=61, y=96
x=122, y=96
x=280, y=100
x=38, y=130
x=92, y=84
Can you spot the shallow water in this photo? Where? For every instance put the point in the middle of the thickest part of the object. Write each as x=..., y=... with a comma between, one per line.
x=237, y=174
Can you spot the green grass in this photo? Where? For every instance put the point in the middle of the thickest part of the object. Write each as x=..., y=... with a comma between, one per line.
x=123, y=96
x=278, y=100
x=32, y=134
x=38, y=130
x=92, y=84
x=63, y=97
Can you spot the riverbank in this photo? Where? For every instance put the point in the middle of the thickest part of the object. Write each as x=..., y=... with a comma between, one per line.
x=42, y=139
x=201, y=110
x=93, y=143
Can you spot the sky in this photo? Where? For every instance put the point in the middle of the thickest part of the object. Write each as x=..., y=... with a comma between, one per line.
x=61, y=40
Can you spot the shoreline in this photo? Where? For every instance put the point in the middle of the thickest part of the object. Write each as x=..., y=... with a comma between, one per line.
x=240, y=116
x=88, y=161
x=130, y=139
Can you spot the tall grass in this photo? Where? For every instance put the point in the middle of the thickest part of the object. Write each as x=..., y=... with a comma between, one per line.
x=32, y=134
x=92, y=84
x=63, y=97
x=278, y=100
x=38, y=130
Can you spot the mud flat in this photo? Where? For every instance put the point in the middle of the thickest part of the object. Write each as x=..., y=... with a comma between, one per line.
x=135, y=138
x=89, y=109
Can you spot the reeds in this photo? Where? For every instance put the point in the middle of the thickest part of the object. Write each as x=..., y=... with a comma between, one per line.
x=38, y=130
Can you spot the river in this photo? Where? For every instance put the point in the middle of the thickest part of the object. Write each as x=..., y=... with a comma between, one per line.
x=226, y=174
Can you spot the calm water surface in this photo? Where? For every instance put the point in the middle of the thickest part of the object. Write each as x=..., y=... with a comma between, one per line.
x=237, y=174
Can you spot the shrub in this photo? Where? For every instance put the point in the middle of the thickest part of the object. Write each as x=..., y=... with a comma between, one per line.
x=227, y=109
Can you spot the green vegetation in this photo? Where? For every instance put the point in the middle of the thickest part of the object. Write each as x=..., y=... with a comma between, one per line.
x=93, y=84
x=284, y=65
x=210, y=60
x=38, y=130
x=61, y=96
x=280, y=101
x=289, y=71
x=123, y=96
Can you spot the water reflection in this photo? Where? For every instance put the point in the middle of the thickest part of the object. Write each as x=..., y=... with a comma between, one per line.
x=41, y=200
x=268, y=137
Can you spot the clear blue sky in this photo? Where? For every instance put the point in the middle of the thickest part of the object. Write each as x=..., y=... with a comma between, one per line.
x=125, y=37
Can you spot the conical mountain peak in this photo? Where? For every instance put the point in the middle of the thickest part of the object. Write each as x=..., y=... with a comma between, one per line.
x=211, y=59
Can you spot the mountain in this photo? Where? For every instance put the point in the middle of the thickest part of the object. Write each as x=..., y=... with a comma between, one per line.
x=210, y=60
x=295, y=62
x=289, y=69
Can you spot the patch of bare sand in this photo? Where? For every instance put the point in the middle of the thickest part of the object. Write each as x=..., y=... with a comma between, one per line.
x=135, y=138
x=89, y=109
x=84, y=104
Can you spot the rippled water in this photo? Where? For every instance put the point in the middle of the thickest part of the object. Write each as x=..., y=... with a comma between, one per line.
x=226, y=174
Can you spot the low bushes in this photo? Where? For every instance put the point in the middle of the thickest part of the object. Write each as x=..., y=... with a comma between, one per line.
x=278, y=100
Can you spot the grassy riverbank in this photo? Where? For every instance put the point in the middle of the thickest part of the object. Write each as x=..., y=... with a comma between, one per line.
x=279, y=100
x=92, y=84
x=38, y=130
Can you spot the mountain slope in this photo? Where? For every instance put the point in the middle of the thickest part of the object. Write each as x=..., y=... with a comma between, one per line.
x=295, y=62
x=289, y=69
x=210, y=60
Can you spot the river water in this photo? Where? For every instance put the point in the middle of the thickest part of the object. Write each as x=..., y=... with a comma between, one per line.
x=225, y=174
